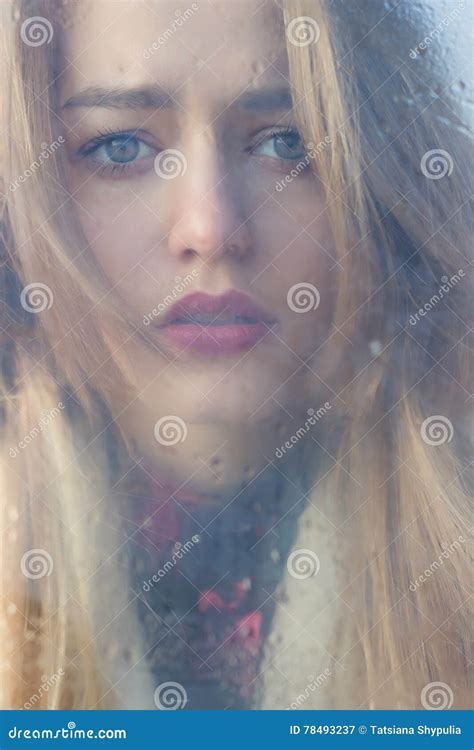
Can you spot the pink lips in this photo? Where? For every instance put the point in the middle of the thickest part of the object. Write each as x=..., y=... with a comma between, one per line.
x=225, y=324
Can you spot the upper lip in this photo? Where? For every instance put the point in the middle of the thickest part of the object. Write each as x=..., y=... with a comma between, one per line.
x=220, y=308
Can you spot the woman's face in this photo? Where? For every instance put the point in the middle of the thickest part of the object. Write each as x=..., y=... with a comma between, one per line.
x=180, y=136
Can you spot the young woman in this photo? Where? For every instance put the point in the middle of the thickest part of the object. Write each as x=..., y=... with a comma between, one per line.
x=235, y=382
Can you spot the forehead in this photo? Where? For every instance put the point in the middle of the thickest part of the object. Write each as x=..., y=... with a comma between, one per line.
x=219, y=47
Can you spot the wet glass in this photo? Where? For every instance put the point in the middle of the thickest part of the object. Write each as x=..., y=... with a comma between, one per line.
x=237, y=268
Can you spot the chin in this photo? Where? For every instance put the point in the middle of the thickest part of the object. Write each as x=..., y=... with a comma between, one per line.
x=214, y=458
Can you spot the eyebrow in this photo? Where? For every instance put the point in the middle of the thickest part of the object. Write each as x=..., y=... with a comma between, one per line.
x=154, y=97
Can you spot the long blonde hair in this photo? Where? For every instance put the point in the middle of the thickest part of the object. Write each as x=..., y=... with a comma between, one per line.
x=398, y=236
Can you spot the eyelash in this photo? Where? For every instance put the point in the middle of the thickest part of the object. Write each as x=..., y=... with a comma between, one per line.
x=115, y=170
x=102, y=138
x=273, y=133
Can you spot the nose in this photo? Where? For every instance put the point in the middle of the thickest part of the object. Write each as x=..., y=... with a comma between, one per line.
x=205, y=216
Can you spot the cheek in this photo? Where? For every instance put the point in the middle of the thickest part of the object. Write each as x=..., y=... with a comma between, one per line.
x=291, y=224
x=309, y=258
x=118, y=226
x=297, y=245
x=300, y=271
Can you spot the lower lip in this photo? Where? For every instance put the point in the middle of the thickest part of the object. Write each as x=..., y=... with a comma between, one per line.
x=224, y=339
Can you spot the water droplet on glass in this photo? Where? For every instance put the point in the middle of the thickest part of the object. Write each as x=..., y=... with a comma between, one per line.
x=258, y=67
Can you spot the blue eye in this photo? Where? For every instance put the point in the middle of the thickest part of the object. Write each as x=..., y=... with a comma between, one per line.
x=117, y=150
x=122, y=149
x=285, y=144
